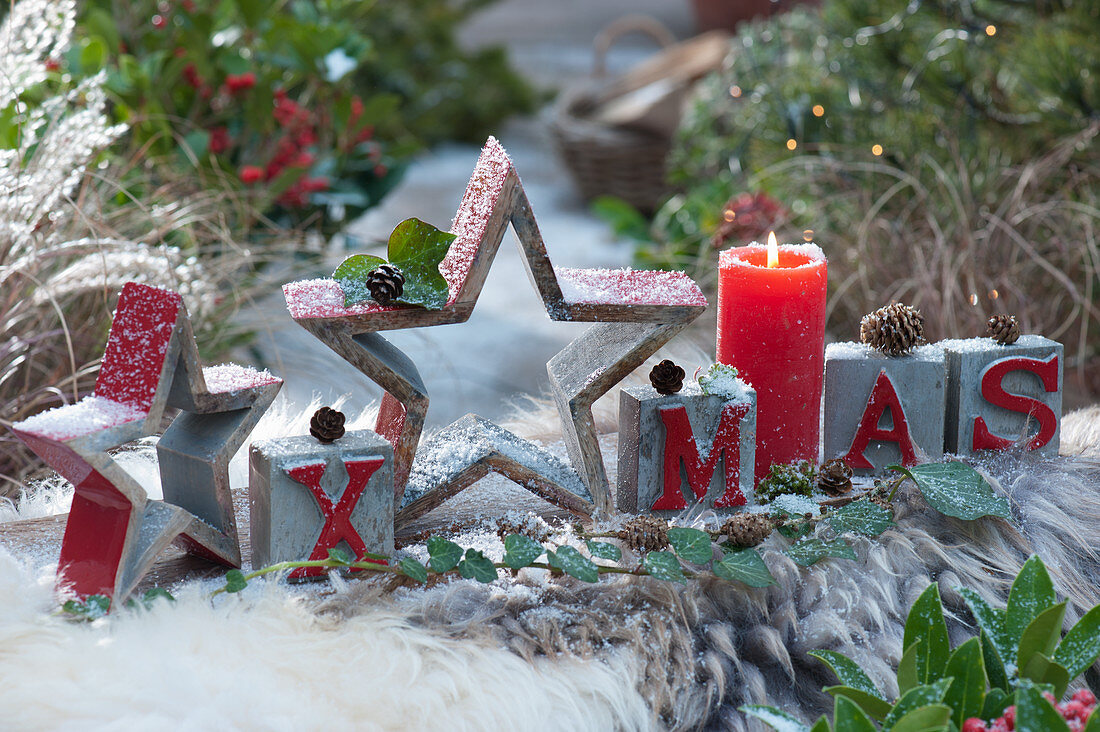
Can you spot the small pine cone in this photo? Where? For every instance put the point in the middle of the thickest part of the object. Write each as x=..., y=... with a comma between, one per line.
x=645, y=533
x=748, y=529
x=1004, y=329
x=386, y=283
x=835, y=477
x=667, y=378
x=894, y=329
x=327, y=425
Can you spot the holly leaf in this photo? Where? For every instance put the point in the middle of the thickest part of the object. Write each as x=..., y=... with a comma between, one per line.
x=413, y=569
x=575, y=564
x=443, y=555
x=475, y=565
x=860, y=517
x=603, y=550
x=521, y=551
x=352, y=274
x=235, y=581
x=664, y=565
x=692, y=545
x=956, y=489
x=744, y=565
x=416, y=248
x=809, y=551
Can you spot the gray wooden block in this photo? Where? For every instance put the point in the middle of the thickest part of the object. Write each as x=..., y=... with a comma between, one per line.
x=883, y=410
x=674, y=448
x=1003, y=395
x=470, y=448
x=288, y=518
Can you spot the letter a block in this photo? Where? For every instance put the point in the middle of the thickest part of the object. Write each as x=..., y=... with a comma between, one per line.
x=883, y=410
x=684, y=449
x=306, y=498
x=1001, y=395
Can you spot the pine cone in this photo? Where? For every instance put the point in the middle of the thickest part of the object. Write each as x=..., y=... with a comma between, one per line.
x=386, y=283
x=894, y=329
x=748, y=529
x=1004, y=329
x=531, y=529
x=667, y=378
x=835, y=477
x=327, y=425
x=645, y=533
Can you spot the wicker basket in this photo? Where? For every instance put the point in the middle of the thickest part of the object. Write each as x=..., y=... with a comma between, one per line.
x=604, y=159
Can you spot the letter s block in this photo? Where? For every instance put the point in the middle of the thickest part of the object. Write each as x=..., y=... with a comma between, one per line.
x=1001, y=395
x=684, y=449
x=883, y=410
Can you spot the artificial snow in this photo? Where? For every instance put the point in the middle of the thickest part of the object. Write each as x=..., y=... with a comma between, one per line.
x=982, y=345
x=795, y=504
x=849, y=350
x=229, y=377
x=323, y=298
x=722, y=381
x=729, y=258
x=90, y=414
x=472, y=218
x=628, y=286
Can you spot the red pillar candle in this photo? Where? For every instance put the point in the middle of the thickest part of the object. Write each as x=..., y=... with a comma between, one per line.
x=771, y=327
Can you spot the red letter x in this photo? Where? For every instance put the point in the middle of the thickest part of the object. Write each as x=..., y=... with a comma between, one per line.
x=337, y=517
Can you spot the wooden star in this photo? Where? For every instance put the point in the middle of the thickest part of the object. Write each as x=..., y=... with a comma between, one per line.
x=114, y=531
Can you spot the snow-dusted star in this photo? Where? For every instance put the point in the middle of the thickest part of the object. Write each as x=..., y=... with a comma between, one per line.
x=114, y=531
x=635, y=313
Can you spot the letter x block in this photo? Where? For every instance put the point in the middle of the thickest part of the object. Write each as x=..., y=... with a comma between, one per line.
x=306, y=498
x=684, y=449
x=1001, y=395
x=114, y=532
x=883, y=410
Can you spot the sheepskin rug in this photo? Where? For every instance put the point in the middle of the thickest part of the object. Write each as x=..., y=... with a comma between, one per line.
x=534, y=652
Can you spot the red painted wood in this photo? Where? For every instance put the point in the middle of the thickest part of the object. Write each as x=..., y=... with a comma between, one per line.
x=133, y=361
x=681, y=446
x=771, y=326
x=390, y=421
x=994, y=392
x=883, y=396
x=338, y=526
x=95, y=537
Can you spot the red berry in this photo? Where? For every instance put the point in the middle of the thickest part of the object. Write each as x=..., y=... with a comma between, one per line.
x=974, y=725
x=52, y=64
x=251, y=174
x=219, y=140
x=380, y=170
x=1010, y=717
x=1084, y=696
x=188, y=5
x=159, y=21
x=240, y=82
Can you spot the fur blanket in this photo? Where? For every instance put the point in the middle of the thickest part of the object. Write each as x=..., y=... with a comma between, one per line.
x=537, y=652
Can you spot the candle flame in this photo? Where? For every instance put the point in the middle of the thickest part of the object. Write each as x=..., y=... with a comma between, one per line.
x=773, y=250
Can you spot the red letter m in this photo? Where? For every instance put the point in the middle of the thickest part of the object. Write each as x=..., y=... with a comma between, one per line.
x=682, y=447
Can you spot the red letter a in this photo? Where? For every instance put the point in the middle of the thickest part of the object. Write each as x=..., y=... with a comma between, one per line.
x=883, y=397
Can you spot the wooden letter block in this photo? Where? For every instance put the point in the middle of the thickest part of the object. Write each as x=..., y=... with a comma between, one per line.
x=306, y=498
x=670, y=448
x=883, y=410
x=1001, y=395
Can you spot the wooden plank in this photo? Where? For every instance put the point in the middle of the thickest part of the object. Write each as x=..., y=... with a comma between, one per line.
x=535, y=259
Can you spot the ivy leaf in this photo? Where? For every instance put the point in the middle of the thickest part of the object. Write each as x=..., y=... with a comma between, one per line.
x=413, y=569
x=416, y=248
x=807, y=552
x=848, y=671
x=744, y=565
x=92, y=607
x=575, y=564
x=521, y=551
x=860, y=517
x=443, y=555
x=956, y=489
x=664, y=566
x=603, y=550
x=692, y=545
x=776, y=718
x=926, y=629
x=155, y=593
x=351, y=275
x=794, y=529
x=340, y=557
x=475, y=565
x=235, y=581
x=1081, y=646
